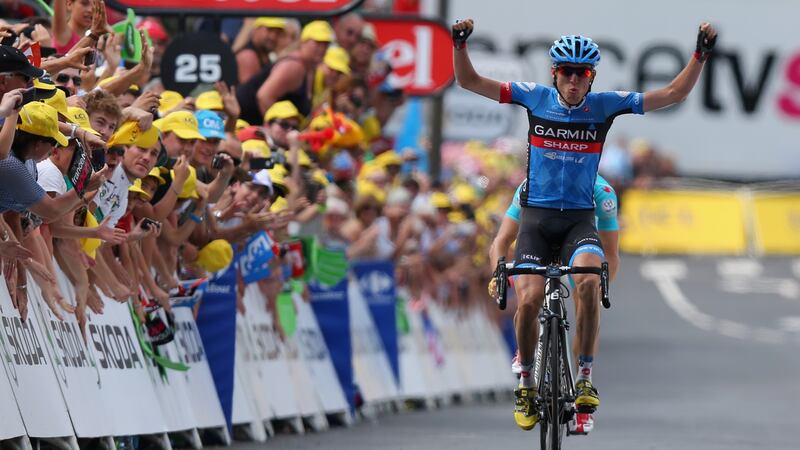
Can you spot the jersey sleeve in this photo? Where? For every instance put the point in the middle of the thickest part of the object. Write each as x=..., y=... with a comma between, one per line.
x=622, y=102
x=522, y=93
x=514, y=209
x=606, y=210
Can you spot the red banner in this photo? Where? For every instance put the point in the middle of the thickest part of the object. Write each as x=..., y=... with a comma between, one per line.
x=420, y=52
x=239, y=7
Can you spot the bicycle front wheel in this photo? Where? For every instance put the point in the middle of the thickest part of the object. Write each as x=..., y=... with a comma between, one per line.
x=554, y=394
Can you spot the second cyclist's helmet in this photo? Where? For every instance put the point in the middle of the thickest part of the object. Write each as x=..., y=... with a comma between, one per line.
x=575, y=49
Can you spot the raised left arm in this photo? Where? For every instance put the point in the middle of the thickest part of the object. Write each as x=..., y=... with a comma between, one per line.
x=679, y=88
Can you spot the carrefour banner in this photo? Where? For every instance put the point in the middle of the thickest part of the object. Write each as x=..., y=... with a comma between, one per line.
x=331, y=307
x=216, y=322
x=377, y=285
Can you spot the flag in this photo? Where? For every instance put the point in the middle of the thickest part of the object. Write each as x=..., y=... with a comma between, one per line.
x=34, y=54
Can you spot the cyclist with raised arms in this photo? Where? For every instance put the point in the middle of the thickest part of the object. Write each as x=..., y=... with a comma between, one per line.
x=568, y=126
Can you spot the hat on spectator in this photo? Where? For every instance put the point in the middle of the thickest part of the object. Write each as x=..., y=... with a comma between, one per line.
x=169, y=101
x=209, y=100
x=215, y=256
x=262, y=178
x=81, y=118
x=190, y=186
x=257, y=147
x=342, y=166
x=440, y=200
x=337, y=59
x=42, y=120
x=278, y=178
x=335, y=205
x=90, y=245
x=210, y=124
x=368, y=33
x=156, y=173
x=389, y=158
x=59, y=101
x=317, y=30
x=303, y=159
x=44, y=87
x=366, y=188
x=320, y=177
x=182, y=123
x=130, y=134
x=251, y=132
x=241, y=124
x=279, y=205
x=464, y=194
x=456, y=217
x=270, y=22
x=14, y=61
x=154, y=29
x=136, y=188
x=282, y=110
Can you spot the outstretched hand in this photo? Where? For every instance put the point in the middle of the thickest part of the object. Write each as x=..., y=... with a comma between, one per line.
x=706, y=39
x=461, y=31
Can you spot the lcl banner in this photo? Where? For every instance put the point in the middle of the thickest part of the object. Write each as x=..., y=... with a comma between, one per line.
x=239, y=7
x=420, y=52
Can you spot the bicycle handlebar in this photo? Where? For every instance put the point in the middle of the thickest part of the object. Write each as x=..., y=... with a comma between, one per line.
x=504, y=269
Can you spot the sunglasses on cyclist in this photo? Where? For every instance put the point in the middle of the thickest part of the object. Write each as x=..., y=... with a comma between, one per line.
x=567, y=71
x=63, y=78
x=286, y=125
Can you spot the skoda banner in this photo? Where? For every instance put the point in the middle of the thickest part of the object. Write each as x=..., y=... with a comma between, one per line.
x=376, y=282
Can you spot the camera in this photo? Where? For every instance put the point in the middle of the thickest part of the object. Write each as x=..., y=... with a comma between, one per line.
x=262, y=163
x=148, y=222
x=218, y=162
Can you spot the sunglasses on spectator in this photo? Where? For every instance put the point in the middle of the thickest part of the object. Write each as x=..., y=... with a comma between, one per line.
x=64, y=79
x=286, y=125
x=581, y=72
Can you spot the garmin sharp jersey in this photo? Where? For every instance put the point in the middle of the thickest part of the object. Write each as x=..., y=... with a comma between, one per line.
x=605, y=200
x=565, y=142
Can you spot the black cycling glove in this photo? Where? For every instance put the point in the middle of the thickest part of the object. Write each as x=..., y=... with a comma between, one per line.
x=705, y=46
x=460, y=37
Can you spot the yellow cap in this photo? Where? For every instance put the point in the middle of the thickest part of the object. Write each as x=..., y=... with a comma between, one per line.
x=42, y=120
x=38, y=84
x=337, y=59
x=465, y=194
x=319, y=177
x=90, y=245
x=240, y=124
x=389, y=158
x=282, y=110
x=257, y=146
x=190, y=186
x=366, y=188
x=156, y=173
x=456, y=217
x=215, y=256
x=303, y=159
x=136, y=188
x=169, y=100
x=440, y=200
x=81, y=117
x=182, y=123
x=130, y=134
x=318, y=30
x=59, y=102
x=209, y=100
x=270, y=22
x=279, y=205
x=281, y=170
x=105, y=81
x=278, y=176
x=370, y=170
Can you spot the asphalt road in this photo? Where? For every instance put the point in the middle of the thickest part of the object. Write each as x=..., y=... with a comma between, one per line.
x=696, y=354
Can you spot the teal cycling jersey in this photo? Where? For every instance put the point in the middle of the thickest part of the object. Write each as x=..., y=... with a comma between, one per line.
x=565, y=142
x=605, y=201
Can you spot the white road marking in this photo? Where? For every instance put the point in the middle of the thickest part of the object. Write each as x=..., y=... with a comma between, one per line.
x=739, y=267
x=796, y=267
x=665, y=274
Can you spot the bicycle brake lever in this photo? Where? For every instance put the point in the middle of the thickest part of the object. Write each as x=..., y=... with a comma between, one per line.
x=604, y=286
x=501, y=277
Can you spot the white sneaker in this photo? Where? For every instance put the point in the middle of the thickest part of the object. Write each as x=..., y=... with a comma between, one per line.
x=516, y=367
x=582, y=423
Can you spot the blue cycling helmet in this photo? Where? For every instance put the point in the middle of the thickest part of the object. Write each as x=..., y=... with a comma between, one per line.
x=576, y=50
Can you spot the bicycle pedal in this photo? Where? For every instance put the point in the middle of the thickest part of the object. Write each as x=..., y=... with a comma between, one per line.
x=581, y=424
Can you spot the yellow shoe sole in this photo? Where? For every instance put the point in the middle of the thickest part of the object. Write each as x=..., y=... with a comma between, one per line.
x=525, y=422
x=587, y=401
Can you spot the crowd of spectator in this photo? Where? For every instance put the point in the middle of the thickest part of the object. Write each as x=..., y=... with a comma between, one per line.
x=130, y=188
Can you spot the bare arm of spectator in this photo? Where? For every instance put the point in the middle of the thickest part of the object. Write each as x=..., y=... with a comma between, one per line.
x=61, y=30
x=139, y=75
x=142, y=117
x=65, y=229
x=9, y=126
x=147, y=280
x=284, y=78
x=365, y=244
x=72, y=60
x=230, y=105
x=217, y=187
x=242, y=39
x=160, y=211
x=176, y=235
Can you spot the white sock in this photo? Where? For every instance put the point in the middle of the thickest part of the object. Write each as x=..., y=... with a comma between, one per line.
x=585, y=368
x=526, y=377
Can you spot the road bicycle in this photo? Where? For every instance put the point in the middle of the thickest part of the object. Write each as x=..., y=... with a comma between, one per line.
x=553, y=366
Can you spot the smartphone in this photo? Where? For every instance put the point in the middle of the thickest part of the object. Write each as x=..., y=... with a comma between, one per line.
x=98, y=159
x=261, y=163
x=148, y=222
x=186, y=211
x=90, y=58
x=10, y=39
x=28, y=95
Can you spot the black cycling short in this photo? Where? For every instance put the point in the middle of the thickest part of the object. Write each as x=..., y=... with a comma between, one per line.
x=549, y=235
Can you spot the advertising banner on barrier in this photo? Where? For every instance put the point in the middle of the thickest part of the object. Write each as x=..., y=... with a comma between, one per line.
x=376, y=281
x=371, y=369
x=255, y=257
x=312, y=347
x=216, y=322
x=202, y=395
x=75, y=367
x=30, y=371
x=332, y=310
x=776, y=223
x=683, y=222
x=251, y=402
x=10, y=421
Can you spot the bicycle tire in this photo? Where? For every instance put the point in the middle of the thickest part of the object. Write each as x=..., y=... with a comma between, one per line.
x=554, y=438
x=543, y=387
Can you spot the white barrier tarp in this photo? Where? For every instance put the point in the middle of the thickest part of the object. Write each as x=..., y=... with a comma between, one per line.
x=448, y=360
x=30, y=372
x=270, y=354
x=371, y=368
x=245, y=411
x=311, y=345
x=10, y=421
x=124, y=372
x=200, y=384
x=75, y=367
x=413, y=383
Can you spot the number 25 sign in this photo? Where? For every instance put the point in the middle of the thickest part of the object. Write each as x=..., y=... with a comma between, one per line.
x=197, y=58
x=420, y=52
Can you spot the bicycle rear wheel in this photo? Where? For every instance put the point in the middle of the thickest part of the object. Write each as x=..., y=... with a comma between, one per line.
x=554, y=394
